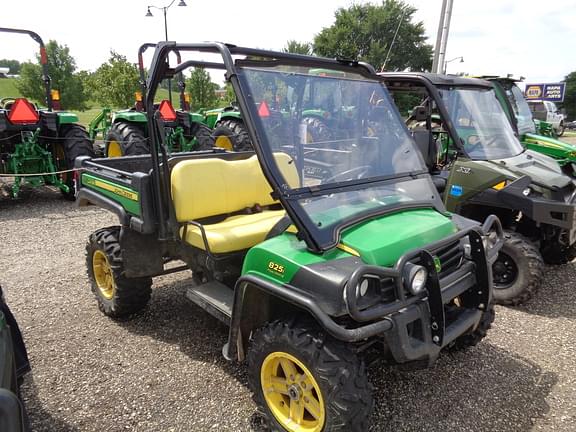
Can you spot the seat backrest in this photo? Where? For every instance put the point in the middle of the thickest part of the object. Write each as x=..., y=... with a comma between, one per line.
x=212, y=186
x=426, y=145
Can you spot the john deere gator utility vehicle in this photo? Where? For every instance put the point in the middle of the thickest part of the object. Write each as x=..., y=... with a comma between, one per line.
x=315, y=278
x=534, y=134
x=481, y=168
x=38, y=146
x=126, y=132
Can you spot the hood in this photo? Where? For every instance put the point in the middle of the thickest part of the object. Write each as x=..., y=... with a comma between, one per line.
x=565, y=149
x=543, y=170
x=383, y=240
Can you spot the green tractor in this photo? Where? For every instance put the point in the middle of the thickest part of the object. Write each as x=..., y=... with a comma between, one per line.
x=126, y=132
x=481, y=168
x=535, y=134
x=228, y=129
x=38, y=146
x=315, y=279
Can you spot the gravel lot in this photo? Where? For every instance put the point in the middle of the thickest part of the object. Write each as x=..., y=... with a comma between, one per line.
x=163, y=370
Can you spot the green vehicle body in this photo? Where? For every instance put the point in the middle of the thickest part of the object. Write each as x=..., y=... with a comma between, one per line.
x=299, y=268
x=541, y=138
x=40, y=149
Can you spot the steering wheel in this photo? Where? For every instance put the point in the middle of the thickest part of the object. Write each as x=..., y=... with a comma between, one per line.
x=349, y=174
x=7, y=100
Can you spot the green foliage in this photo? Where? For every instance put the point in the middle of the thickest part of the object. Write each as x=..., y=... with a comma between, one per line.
x=61, y=69
x=201, y=89
x=115, y=82
x=14, y=66
x=8, y=88
x=365, y=32
x=296, y=47
x=570, y=96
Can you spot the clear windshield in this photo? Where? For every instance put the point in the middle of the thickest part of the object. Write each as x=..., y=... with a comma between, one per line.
x=521, y=109
x=481, y=123
x=330, y=129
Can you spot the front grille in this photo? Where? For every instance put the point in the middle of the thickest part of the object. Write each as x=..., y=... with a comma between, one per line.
x=451, y=257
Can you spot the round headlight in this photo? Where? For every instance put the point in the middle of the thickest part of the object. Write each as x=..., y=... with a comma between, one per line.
x=364, y=285
x=415, y=277
x=419, y=280
x=526, y=192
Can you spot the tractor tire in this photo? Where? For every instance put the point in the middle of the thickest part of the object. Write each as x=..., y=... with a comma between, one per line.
x=518, y=270
x=75, y=142
x=203, y=135
x=231, y=134
x=472, y=339
x=117, y=295
x=126, y=139
x=299, y=375
x=555, y=253
x=316, y=130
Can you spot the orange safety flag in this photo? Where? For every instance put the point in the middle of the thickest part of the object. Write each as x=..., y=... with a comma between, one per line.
x=22, y=112
x=166, y=111
x=263, y=110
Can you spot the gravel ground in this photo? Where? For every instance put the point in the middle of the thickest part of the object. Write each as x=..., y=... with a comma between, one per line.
x=163, y=370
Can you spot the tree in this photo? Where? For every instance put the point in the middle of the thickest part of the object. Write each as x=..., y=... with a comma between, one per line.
x=202, y=90
x=569, y=103
x=61, y=69
x=296, y=47
x=13, y=65
x=366, y=31
x=115, y=82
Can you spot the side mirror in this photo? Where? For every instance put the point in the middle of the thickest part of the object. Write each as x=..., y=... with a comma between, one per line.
x=419, y=113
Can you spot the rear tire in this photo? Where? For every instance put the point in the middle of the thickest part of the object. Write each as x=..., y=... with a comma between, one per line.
x=231, y=134
x=117, y=295
x=518, y=270
x=75, y=142
x=328, y=377
x=316, y=130
x=125, y=139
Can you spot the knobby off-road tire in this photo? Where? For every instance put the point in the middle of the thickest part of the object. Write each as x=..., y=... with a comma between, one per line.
x=117, y=295
x=521, y=261
x=336, y=377
x=236, y=134
x=203, y=135
x=473, y=338
x=75, y=142
x=316, y=130
x=129, y=138
x=554, y=253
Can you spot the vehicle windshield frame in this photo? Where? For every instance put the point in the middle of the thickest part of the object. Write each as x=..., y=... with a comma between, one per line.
x=329, y=238
x=456, y=137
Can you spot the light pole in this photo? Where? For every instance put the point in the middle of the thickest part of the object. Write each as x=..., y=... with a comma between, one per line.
x=164, y=9
x=448, y=61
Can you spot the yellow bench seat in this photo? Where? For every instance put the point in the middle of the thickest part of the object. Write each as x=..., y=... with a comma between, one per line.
x=235, y=233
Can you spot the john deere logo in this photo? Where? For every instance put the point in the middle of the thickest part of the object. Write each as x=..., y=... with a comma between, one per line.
x=437, y=264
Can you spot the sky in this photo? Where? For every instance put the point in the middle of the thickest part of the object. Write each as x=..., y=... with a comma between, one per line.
x=534, y=39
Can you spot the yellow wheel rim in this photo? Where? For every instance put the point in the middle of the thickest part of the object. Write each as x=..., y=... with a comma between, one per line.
x=224, y=142
x=103, y=274
x=114, y=149
x=292, y=394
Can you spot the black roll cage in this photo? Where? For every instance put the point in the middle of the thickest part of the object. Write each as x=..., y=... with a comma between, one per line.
x=43, y=61
x=160, y=69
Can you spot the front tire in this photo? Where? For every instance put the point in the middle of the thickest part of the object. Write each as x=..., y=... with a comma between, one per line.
x=561, y=129
x=302, y=380
x=473, y=338
x=518, y=270
x=117, y=295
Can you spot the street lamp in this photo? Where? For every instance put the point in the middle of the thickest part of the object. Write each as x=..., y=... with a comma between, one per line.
x=448, y=61
x=164, y=9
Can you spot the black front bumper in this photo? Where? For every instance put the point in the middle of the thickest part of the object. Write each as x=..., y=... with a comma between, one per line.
x=422, y=325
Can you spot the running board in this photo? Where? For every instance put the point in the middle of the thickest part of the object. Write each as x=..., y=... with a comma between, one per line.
x=214, y=297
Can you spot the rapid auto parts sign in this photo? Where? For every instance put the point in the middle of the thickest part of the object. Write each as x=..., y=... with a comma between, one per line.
x=547, y=92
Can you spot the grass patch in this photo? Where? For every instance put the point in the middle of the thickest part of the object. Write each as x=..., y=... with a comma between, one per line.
x=8, y=88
